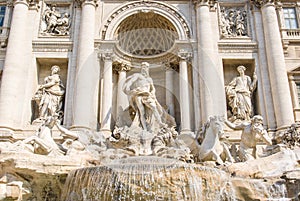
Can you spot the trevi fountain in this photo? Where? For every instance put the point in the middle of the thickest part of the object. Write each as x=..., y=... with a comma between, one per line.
x=146, y=159
x=149, y=100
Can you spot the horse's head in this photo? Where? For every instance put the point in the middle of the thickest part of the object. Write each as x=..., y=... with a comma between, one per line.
x=217, y=125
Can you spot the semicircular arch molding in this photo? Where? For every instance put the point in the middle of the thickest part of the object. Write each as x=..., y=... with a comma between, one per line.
x=112, y=23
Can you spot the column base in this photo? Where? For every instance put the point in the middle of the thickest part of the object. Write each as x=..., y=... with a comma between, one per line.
x=80, y=128
x=6, y=134
x=187, y=132
x=106, y=133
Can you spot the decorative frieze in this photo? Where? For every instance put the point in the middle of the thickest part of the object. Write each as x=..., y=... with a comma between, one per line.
x=233, y=22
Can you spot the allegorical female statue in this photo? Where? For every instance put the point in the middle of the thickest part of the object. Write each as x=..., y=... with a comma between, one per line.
x=239, y=94
x=49, y=96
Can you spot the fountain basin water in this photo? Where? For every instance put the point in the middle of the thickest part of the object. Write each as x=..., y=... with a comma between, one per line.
x=148, y=178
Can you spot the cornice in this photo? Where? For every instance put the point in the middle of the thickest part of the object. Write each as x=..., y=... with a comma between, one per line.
x=246, y=47
x=53, y=46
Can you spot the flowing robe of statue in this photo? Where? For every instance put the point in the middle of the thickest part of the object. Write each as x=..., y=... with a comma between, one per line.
x=239, y=94
x=49, y=96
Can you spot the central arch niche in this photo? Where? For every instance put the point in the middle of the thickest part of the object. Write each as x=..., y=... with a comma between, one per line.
x=146, y=34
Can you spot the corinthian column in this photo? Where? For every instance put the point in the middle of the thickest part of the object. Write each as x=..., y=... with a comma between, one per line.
x=12, y=95
x=213, y=101
x=106, y=108
x=276, y=64
x=87, y=73
x=184, y=92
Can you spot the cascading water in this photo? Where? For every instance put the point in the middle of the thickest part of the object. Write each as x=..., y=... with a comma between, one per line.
x=148, y=178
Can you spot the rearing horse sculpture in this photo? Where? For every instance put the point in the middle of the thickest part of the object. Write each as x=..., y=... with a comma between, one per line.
x=212, y=148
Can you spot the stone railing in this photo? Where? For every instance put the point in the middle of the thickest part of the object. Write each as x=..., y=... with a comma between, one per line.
x=290, y=34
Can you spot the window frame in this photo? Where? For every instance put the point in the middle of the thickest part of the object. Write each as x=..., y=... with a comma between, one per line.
x=296, y=19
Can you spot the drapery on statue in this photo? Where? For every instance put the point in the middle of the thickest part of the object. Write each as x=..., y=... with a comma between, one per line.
x=148, y=112
x=252, y=132
x=239, y=93
x=49, y=95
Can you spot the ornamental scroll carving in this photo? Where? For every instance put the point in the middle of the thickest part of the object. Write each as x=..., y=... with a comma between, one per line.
x=233, y=22
x=55, y=21
x=260, y=3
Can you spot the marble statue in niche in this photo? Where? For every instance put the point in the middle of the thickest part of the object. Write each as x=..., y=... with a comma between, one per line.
x=233, y=22
x=141, y=92
x=239, y=94
x=49, y=96
x=56, y=23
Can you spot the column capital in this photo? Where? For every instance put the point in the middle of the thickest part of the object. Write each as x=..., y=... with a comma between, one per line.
x=10, y=3
x=121, y=67
x=31, y=3
x=261, y=3
x=26, y=2
x=107, y=55
x=85, y=2
x=171, y=67
x=184, y=55
x=210, y=3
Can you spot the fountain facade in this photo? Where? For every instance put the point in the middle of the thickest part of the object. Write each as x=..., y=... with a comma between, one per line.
x=149, y=100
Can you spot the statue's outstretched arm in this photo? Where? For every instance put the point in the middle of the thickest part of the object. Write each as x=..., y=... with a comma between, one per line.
x=66, y=132
x=234, y=126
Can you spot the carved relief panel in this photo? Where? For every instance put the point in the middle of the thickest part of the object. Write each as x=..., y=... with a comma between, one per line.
x=55, y=20
x=233, y=22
